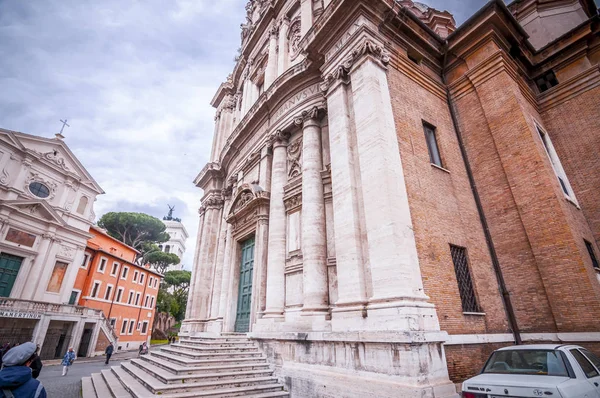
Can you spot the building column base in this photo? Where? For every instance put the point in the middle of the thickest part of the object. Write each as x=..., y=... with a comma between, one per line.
x=353, y=365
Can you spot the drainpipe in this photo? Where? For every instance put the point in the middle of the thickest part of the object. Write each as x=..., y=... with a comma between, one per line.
x=512, y=319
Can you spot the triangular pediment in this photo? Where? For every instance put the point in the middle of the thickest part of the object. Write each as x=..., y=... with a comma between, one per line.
x=53, y=152
x=39, y=209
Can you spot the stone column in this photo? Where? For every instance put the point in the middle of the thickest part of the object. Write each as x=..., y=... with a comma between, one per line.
x=261, y=244
x=277, y=230
x=283, y=54
x=345, y=183
x=218, y=270
x=196, y=268
x=306, y=16
x=207, y=257
x=394, y=264
x=314, y=239
x=214, y=153
x=36, y=272
x=226, y=280
x=264, y=178
x=271, y=71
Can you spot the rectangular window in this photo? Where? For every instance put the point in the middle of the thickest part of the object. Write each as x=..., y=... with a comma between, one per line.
x=113, y=322
x=86, y=258
x=130, y=297
x=145, y=327
x=463, y=277
x=124, y=272
x=124, y=326
x=150, y=280
x=102, y=265
x=119, y=294
x=155, y=281
x=131, y=326
x=432, y=145
x=592, y=254
x=135, y=276
x=108, y=292
x=137, y=298
x=58, y=274
x=142, y=279
x=73, y=298
x=146, y=301
x=95, y=289
x=115, y=269
x=556, y=164
x=139, y=325
x=152, y=302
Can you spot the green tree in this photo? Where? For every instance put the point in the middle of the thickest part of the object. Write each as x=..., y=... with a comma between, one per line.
x=137, y=230
x=173, y=293
x=161, y=260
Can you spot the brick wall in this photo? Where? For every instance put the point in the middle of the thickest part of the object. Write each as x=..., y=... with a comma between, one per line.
x=442, y=208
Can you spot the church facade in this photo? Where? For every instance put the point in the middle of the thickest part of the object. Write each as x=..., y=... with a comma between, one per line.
x=390, y=197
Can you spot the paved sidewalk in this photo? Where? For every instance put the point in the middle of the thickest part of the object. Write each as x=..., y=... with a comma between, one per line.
x=69, y=386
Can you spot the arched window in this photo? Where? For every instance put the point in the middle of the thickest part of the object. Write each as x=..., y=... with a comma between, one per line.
x=160, y=247
x=83, y=202
x=167, y=249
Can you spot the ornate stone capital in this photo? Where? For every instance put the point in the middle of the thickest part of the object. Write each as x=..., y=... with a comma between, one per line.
x=313, y=114
x=342, y=71
x=274, y=31
x=279, y=138
x=201, y=210
x=213, y=202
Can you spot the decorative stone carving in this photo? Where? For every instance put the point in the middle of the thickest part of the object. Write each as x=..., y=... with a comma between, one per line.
x=36, y=177
x=279, y=137
x=342, y=71
x=294, y=37
x=294, y=155
x=53, y=157
x=243, y=200
x=213, y=202
x=4, y=177
x=312, y=113
x=293, y=202
x=66, y=252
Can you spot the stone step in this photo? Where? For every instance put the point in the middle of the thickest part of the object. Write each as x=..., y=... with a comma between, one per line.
x=213, y=349
x=100, y=386
x=219, y=342
x=203, y=363
x=179, y=355
x=87, y=388
x=115, y=386
x=185, y=372
x=187, y=387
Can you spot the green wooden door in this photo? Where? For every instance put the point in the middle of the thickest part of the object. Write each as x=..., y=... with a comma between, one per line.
x=9, y=269
x=244, y=304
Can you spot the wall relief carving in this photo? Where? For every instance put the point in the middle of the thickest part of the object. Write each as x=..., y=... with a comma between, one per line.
x=53, y=157
x=293, y=202
x=294, y=156
x=66, y=252
x=294, y=37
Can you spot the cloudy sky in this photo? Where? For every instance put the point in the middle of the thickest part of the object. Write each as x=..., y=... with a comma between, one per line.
x=134, y=79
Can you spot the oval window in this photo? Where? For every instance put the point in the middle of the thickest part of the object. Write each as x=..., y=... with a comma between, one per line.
x=39, y=189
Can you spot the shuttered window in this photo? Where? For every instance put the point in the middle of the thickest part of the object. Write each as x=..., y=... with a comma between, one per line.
x=463, y=277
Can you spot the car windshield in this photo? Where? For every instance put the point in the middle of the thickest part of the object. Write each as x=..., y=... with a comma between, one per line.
x=526, y=362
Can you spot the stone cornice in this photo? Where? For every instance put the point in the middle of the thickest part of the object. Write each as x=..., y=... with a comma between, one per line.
x=571, y=88
x=210, y=171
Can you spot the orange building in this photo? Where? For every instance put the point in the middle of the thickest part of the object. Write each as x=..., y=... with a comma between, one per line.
x=110, y=280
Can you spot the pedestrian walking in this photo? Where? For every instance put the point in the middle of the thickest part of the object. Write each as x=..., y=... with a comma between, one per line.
x=67, y=360
x=143, y=349
x=109, y=350
x=16, y=380
x=36, y=363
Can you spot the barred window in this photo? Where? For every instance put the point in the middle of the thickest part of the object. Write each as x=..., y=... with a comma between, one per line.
x=463, y=277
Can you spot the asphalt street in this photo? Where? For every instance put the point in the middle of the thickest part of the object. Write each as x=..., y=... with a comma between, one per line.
x=69, y=386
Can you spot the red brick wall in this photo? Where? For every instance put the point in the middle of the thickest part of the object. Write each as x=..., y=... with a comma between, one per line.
x=536, y=233
x=443, y=210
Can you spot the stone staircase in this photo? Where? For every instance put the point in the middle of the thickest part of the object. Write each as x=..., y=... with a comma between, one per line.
x=226, y=366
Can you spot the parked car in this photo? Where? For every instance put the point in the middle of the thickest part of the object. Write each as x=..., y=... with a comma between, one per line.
x=539, y=370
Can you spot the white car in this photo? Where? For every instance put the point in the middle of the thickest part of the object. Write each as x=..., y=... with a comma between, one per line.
x=539, y=370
